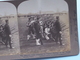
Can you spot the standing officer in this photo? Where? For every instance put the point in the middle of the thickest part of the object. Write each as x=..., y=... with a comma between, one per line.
x=58, y=31
x=8, y=34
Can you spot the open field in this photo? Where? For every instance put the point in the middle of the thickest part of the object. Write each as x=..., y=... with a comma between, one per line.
x=49, y=46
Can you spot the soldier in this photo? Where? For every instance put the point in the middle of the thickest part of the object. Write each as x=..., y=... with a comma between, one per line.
x=37, y=32
x=41, y=28
x=8, y=34
x=47, y=32
x=58, y=31
x=2, y=35
x=30, y=28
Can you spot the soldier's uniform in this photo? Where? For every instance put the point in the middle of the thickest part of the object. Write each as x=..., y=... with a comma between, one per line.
x=37, y=29
x=37, y=32
x=58, y=30
x=30, y=29
x=55, y=31
x=8, y=33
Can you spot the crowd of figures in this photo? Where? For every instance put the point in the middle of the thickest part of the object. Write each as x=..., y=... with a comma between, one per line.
x=40, y=27
x=5, y=34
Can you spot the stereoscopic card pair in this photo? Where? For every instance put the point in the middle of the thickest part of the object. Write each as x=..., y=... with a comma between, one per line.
x=38, y=28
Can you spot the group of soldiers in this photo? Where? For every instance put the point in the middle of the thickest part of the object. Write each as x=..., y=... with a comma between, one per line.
x=39, y=30
x=5, y=34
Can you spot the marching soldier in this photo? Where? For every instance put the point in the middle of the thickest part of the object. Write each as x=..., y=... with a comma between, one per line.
x=41, y=28
x=2, y=35
x=30, y=28
x=37, y=32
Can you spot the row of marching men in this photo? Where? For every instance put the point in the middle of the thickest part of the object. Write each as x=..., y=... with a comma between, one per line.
x=47, y=30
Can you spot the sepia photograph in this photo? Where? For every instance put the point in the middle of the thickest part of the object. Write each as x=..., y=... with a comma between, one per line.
x=38, y=29
x=43, y=26
x=9, y=36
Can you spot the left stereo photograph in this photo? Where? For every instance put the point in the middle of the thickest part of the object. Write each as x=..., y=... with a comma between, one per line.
x=9, y=36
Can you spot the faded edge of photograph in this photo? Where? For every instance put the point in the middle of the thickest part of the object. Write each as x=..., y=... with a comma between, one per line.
x=43, y=27
x=9, y=35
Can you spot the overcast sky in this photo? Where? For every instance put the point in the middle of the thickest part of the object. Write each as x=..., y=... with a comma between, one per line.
x=30, y=6
x=34, y=6
x=7, y=8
